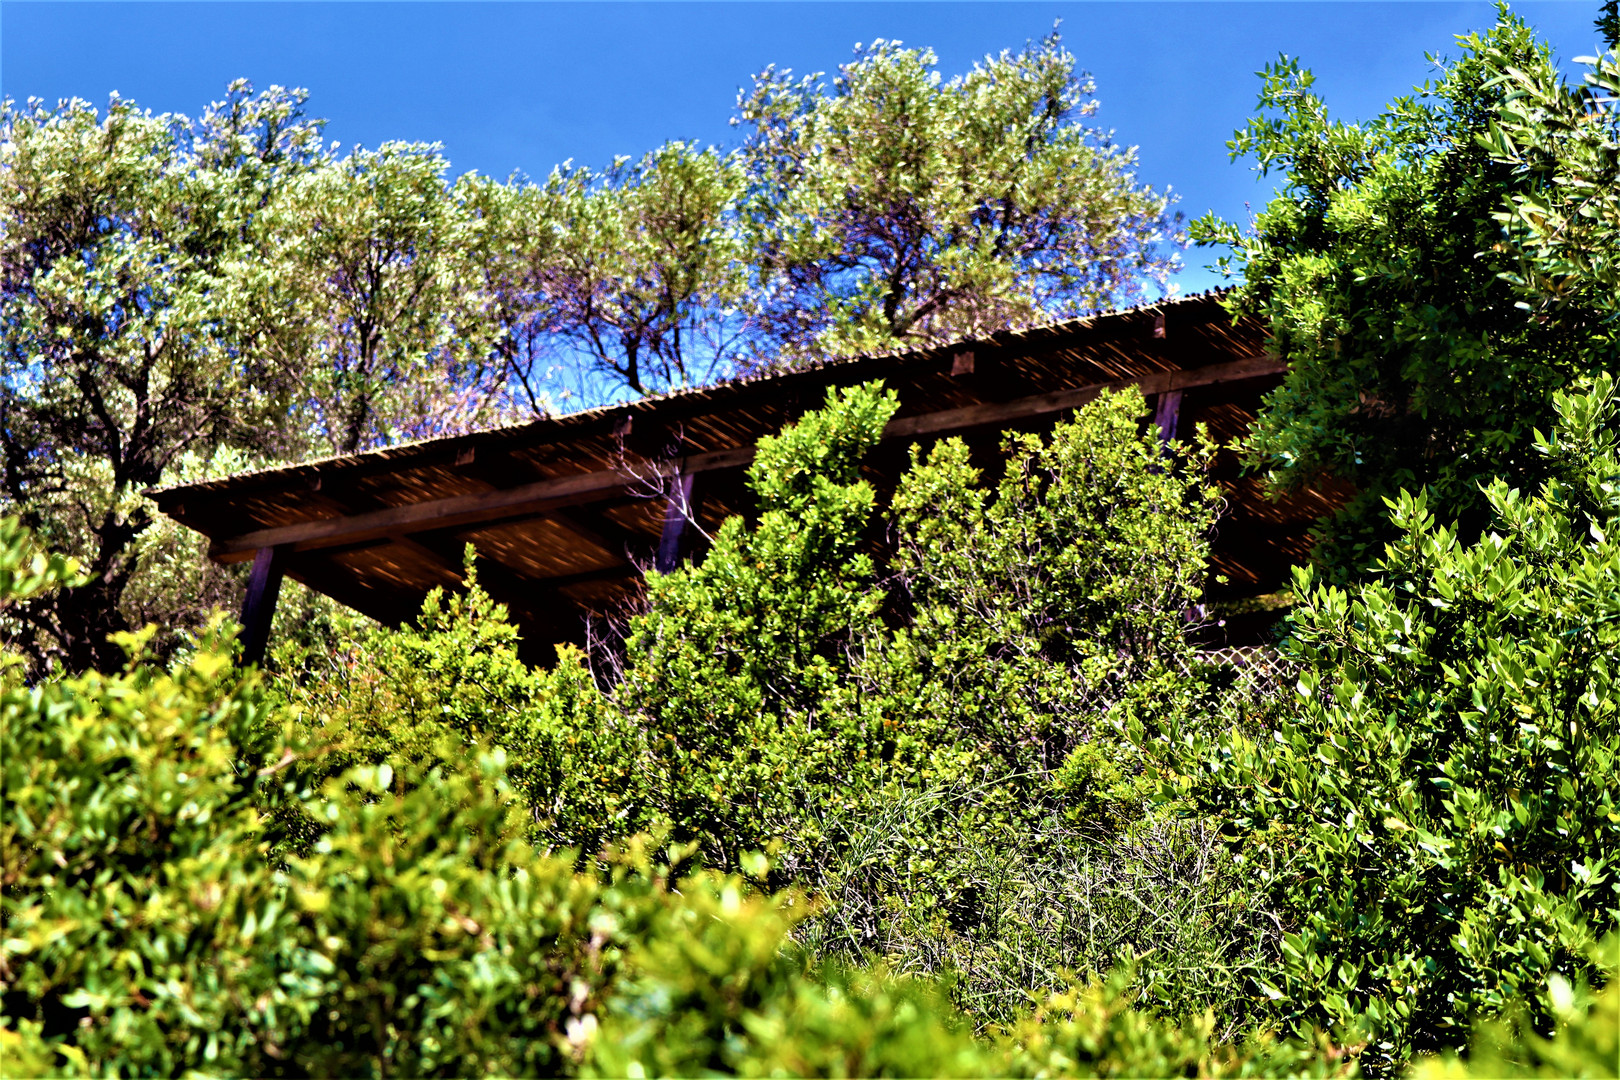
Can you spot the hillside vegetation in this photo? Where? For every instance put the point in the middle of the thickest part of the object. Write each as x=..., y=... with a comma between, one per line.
x=978, y=810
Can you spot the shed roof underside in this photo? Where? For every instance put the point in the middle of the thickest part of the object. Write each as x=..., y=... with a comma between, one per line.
x=566, y=512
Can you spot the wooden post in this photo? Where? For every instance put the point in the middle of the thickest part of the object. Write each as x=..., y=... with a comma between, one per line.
x=1168, y=415
x=264, y=586
x=677, y=515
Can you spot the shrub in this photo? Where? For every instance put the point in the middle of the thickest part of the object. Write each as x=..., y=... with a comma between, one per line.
x=151, y=926
x=130, y=830
x=416, y=697
x=731, y=674
x=1096, y=1029
x=1436, y=820
x=718, y=988
x=1585, y=1043
x=1418, y=359
x=937, y=753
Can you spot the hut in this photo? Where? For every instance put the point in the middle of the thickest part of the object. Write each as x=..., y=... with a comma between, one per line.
x=568, y=512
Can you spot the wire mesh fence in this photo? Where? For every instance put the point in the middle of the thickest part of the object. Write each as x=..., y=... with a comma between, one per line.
x=1260, y=671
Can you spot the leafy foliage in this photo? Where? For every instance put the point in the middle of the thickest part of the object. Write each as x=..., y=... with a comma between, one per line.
x=1064, y=597
x=1095, y=1030
x=1586, y=1042
x=27, y=570
x=1564, y=221
x=1389, y=288
x=941, y=752
x=635, y=269
x=364, y=280
x=151, y=927
x=893, y=208
x=117, y=359
x=1436, y=818
x=147, y=931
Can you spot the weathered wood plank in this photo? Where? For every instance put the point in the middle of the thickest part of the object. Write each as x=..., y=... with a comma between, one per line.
x=532, y=499
x=537, y=498
x=984, y=415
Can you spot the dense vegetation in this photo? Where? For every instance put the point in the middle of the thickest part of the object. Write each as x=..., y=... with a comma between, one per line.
x=185, y=298
x=978, y=810
x=1433, y=277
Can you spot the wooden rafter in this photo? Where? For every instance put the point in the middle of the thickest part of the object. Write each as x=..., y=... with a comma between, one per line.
x=541, y=497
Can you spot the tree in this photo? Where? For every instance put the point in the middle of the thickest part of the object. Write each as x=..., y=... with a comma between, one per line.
x=634, y=271
x=365, y=278
x=1563, y=221
x=1393, y=292
x=891, y=209
x=116, y=235
x=1435, y=817
x=188, y=297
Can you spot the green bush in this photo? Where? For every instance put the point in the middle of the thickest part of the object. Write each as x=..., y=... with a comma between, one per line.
x=154, y=925
x=396, y=693
x=956, y=788
x=1585, y=1042
x=718, y=988
x=130, y=829
x=723, y=992
x=935, y=749
x=1098, y=1029
x=415, y=696
x=1436, y=820
x=150, y=930
x=730, y=675
x=27, y=571
x=1424, y=341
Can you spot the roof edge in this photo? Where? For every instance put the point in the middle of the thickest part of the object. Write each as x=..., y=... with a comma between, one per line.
x=168, y=496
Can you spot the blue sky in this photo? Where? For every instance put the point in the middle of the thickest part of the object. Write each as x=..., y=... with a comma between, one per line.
x=523, y=86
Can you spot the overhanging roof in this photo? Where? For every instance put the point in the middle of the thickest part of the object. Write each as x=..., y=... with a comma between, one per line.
x=566, y=511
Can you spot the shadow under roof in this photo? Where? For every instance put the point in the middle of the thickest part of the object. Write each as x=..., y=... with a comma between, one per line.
x=567, y=512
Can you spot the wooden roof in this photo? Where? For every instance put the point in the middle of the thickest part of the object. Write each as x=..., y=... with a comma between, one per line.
x=566, y=511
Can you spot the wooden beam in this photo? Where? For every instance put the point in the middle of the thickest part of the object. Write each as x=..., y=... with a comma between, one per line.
x=1167, y=415
x=386, y=606
x=590, y=577
x=678, y=513
x=1159, y=382
x=544, y=496
x=259, y=606
x=526, y=500
x=612, y=538
x=605, y=533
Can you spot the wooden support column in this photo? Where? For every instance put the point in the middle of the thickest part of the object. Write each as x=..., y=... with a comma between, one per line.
x=677, y=521
x=259, y=607
x=1167, y=416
